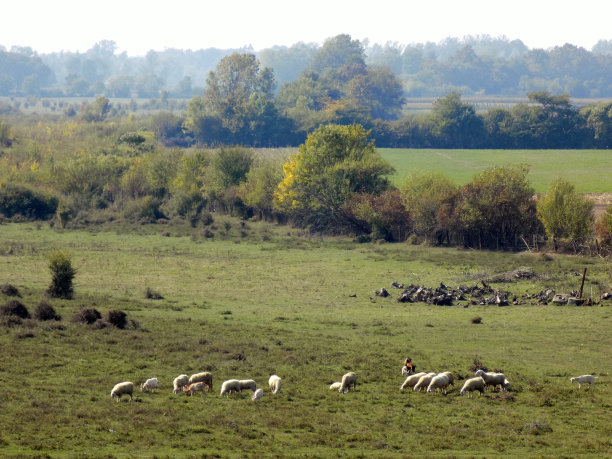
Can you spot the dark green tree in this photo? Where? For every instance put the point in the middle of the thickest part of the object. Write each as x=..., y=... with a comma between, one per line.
x=62, y=275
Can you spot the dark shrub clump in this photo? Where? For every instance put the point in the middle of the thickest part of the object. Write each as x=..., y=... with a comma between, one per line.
x=15, y=308
x=10, y=290
x=477, y=320
x=116, y=318
x=151, y=294
x=44, y=311
x=87, y=315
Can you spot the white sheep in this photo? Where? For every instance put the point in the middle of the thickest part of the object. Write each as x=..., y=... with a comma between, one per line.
x=122, y=388
x=196, y=387
x=275, y=384
x=149, y=385
x=204, y=377
x=451, y=378
x=440, y=381
x=473, y=384
x=248, y=384
x=423, y=382
x=412, y=380
x=257, y=395
x=335, y=386
x=348, y=380
x=405, y=370
x=494, y=379
x=179, y=382
x=584, y=379
x=230, y=386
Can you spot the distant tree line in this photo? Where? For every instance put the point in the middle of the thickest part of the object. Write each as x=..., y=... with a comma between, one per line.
x=241, y=102
x=480, y=65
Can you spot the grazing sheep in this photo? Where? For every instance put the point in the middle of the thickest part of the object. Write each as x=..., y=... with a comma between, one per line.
x=122, y=388
x=248, y=384
x=412, y=380
x=423, y=382
x=257, y=395
x=584, y=379
x=473, y=384
x=440, y=381
x=149, y=385
x=335, y=386
x=204, y=377
x=275, y=384
x=451, y=378
x=230, y=386
x=179, y=382
x=196, y=387
x=494, y=379
x=348, y=380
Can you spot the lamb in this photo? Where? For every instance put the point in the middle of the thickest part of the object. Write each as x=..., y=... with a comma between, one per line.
x=122, y=388
x=473, y=384
x=179, y=382
x=230, y=386
x=335, y=386
x=494, y=379
x=248, y=384
x=275, y=384
x=348, y=380
x=204, y=377
x=584, y=379
x=440, y=381
x=149, y=385
x=423, y=381
x=195, y=387
x=412, y=380
x=257, y=395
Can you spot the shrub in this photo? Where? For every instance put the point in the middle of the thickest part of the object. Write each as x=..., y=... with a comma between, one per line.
x=15, y=308
x=151, y=294
x=477, y=320
x=44, y=311
x=87, y=315
x=116, y=318
x=62, y=273
x=19, y=200
x=9, y=290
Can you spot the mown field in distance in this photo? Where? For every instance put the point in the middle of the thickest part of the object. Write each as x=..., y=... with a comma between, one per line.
x=277, y=303
x=588, y=170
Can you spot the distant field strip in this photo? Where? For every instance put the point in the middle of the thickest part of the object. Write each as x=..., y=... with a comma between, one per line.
x=589, y=170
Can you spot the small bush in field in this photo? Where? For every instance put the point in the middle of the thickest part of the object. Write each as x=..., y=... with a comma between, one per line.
x=477, y=320
x=87, y=315
x=62, y=273
x=44, y=311
x=116, y=318
x=9, y=290
x=151, y=294
x=15, y=308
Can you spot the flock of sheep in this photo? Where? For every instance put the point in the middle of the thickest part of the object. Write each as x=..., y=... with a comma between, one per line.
x=199, y=382
x=430, y=382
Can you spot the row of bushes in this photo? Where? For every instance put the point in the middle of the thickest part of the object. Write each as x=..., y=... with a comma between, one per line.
x=14, y=311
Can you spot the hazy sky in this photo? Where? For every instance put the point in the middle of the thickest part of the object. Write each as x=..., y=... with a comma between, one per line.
x=138, y=26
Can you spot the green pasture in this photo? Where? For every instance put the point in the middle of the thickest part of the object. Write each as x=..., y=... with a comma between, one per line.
x=588, y=170
x=304, y=309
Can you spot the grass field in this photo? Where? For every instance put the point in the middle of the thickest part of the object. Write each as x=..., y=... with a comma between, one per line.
x=588, y=170
x=276, y=303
